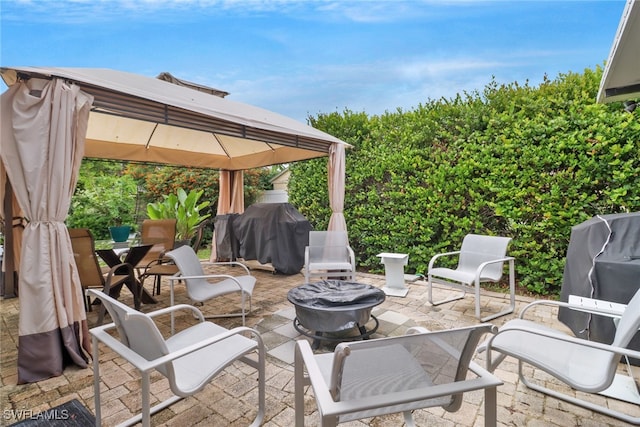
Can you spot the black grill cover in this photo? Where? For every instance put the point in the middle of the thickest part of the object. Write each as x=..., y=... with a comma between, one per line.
x=273, y=233
x=603, y=262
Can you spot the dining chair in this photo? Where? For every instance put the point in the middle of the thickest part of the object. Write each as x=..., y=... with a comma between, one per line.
x=92, y=276
x=161, y=233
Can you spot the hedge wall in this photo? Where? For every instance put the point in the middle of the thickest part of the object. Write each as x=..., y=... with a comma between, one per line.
x=515, y=160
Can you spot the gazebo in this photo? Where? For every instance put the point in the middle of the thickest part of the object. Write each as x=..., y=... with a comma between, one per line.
x=53, y=117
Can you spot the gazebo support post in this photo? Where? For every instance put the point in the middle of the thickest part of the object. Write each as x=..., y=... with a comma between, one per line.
x=9, y=271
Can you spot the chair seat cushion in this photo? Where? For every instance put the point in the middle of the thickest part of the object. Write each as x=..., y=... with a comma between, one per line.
x=194, y=370
x=330, y=266
x=162, y=270
x=366, y=376
x=223, y=287
x=584, y=368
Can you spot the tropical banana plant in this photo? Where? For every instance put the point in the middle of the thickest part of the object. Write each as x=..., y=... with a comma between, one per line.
x=184, y=207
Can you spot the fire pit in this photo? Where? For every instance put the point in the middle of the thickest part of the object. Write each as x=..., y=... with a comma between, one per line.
x=332, y=306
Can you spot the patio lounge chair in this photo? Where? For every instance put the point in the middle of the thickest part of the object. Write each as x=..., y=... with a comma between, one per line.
x=586, y=366
x=189, y=359
x=202, y=287
x=480, y=259
x=329, y=256
x=390, y=375
x=92, y=276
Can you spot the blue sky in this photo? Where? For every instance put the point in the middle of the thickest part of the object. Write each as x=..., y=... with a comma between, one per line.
x=301, y=58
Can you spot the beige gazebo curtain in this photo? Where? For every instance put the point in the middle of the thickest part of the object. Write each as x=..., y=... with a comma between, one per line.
x=231, y=197
x=336, y=171
x=13, y=230
x=230, y=200
x=44, y=123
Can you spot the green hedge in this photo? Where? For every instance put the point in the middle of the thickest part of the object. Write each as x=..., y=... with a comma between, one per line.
x=515, y=160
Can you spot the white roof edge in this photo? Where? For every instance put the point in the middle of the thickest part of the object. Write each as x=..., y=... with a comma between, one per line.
x=624, y=58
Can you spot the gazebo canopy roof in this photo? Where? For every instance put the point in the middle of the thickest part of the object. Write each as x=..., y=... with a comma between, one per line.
x=144, y=119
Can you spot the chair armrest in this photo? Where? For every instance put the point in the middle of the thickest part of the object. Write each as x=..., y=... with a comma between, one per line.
x=170, y=309
x=304, y=354
x=352, y=257
x=205, y=276
x=493, y=261
x=484, y=374
x=559, y=336
x=596, y=306
x=569, y=305
x=112, y=271
x=158, y=261
x=233, y=263
x=100, y=333
x=211, y=340
x=435, y=257
x=208, y=276
x=145, y=365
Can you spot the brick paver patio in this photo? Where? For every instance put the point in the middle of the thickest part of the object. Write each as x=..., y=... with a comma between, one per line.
x=230, y=399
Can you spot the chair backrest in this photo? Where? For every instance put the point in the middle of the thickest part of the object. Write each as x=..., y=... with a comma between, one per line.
x=197, y=240
x=328, y=246
x=404, y=363
x=84, y=254
x=477, y=249
x=161, y=233
x=137, y=331
x=189, y=265
x=629, y=322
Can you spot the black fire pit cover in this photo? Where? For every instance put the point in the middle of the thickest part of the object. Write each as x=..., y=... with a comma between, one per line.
x=334, y=305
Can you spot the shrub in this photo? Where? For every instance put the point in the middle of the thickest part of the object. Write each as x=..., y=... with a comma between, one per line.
x=515, y=160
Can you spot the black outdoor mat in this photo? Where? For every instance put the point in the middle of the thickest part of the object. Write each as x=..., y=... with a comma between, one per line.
x=69, y=414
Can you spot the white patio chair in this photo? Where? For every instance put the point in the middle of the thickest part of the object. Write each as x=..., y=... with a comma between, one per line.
x=390, y=375
x=329, y=256
x=202, y=287
x=586, y=366
x=189, y=359
x=480, y=259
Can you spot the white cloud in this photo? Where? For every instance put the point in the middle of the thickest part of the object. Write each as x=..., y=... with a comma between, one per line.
x=307, y=56
x=360, y=11
x=373, y=87
x=425, y=69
